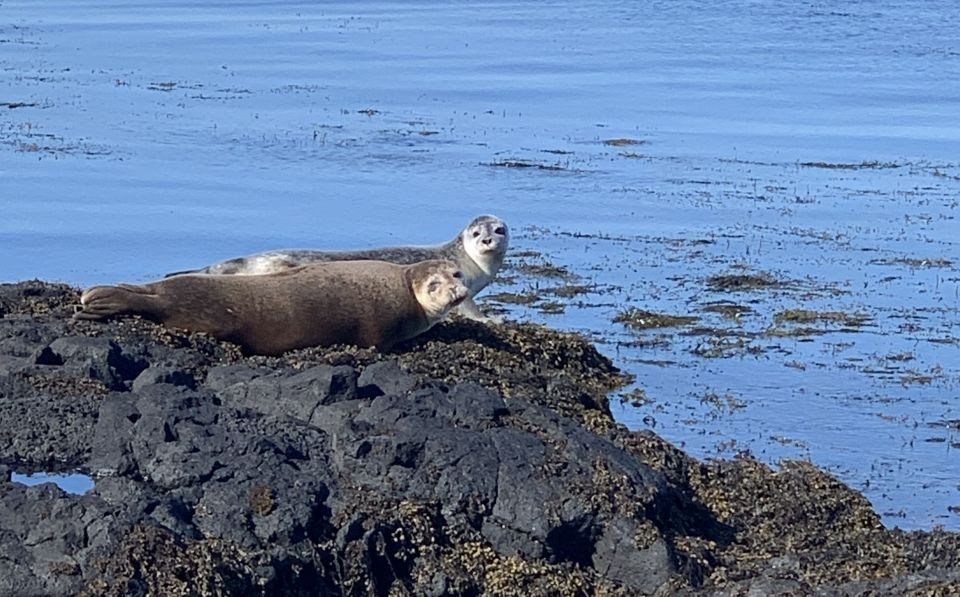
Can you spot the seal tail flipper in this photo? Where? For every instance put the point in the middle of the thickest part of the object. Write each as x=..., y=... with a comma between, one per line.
x=101, y=302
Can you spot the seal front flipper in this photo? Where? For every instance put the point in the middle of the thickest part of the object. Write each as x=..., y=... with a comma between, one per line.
x=101, y=302
x=469, y=309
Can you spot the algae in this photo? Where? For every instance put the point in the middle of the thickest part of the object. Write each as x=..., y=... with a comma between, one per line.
x=639, y=319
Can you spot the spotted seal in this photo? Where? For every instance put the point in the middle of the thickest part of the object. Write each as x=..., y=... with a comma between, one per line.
x=478, y=251
x=364, y=303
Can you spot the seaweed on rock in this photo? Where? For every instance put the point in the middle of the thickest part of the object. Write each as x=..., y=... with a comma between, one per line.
x=472, y=460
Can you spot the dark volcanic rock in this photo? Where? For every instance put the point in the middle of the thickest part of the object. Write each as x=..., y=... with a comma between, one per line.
x=97, y=358
x=476, y=460
x=384, y=377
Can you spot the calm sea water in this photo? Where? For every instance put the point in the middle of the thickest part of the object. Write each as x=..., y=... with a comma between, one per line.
x=817, y=143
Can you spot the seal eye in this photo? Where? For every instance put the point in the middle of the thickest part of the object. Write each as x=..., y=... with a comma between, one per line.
x=476, y=233
x=500, y=231
x=458, y=274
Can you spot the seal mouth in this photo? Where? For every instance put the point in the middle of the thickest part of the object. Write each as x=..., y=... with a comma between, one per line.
x=490, y=249
x=457, y=296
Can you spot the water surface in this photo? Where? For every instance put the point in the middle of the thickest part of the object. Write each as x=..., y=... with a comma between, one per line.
x=74, y=483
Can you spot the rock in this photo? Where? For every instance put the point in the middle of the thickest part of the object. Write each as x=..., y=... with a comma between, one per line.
x=218, y=474
x=169, y=375
x=223, y=376
x=617, y=556
x=110, y=445
x=285, y=393
x=45, y=533
x=96, y=358
x=13, y=364
x=384, y=377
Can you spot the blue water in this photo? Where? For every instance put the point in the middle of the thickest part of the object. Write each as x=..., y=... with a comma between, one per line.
x=162, y=135
x=73, y=483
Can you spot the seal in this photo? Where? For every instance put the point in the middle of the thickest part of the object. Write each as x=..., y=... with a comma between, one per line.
x=364, y=303
x=478, y=251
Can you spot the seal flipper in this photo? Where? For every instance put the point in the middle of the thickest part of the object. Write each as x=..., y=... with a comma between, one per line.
x=101, y=302
x=469, y=309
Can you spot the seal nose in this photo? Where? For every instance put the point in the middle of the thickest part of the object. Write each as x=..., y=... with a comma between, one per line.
x=487, y=241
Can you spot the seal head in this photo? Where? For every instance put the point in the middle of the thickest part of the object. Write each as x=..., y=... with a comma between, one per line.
x=438, y=286
x=485, y=241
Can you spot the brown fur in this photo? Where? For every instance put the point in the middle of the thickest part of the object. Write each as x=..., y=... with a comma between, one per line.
x=365, y=303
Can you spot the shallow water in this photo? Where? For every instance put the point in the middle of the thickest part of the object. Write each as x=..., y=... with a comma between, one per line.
x=813, y=143
x=71, y=483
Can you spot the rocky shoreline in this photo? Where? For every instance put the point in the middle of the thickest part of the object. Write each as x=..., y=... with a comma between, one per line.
x=472, y=460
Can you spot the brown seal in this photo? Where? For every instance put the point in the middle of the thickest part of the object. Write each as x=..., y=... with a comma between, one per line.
x=364, y=303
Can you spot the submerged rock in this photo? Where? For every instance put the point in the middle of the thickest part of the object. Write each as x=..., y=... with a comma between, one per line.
x=474, y=459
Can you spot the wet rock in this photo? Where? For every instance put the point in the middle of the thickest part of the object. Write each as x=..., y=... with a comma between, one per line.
x=484, y=463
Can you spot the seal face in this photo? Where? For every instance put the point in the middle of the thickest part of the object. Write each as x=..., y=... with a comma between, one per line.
x=438, y=287
x=478, y=251
x=485, y=241
x=364, y=303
